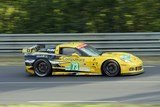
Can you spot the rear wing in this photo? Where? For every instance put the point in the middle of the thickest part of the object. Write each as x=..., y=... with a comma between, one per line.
x=32, y=49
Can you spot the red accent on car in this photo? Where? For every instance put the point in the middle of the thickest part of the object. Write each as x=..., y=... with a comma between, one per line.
x=81, y=46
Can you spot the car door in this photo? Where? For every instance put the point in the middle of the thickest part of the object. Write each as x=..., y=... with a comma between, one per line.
x=74, y=61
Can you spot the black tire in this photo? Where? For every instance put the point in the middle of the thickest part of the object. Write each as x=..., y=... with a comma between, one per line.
x=42, y=68
x=110, y=68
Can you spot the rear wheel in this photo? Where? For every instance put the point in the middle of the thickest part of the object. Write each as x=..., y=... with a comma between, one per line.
x=42, y=68
x=110, y=68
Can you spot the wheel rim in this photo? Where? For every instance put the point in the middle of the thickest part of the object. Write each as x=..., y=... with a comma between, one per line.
x=42, y=68
x=112, y=68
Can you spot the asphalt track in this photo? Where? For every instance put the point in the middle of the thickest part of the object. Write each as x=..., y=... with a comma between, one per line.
x=16, y=86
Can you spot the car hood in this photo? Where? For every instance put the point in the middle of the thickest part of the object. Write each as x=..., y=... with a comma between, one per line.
x=115, y=54
x=122, y=55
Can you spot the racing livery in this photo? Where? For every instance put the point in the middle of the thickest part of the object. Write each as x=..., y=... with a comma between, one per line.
x=78, y=58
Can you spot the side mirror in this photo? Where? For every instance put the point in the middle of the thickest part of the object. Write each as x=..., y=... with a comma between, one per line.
x=75, y=55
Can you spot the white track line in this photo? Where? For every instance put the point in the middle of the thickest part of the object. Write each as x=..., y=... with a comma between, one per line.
x=72, y=101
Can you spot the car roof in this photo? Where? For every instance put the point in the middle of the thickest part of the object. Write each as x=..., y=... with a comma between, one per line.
x=72, y=44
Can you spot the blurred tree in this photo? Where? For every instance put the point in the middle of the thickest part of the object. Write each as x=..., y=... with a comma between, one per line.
x=58, y=16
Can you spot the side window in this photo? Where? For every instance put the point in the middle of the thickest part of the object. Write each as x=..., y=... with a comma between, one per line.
x=68, y=51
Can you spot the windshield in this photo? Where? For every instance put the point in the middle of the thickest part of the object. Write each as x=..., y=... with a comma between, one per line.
x=90, y=51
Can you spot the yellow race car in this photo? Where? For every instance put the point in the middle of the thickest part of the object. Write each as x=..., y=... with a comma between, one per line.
x=78, y=58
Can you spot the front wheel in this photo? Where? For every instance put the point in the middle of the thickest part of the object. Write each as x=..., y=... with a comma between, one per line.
x=42, y=68
x=110, y=68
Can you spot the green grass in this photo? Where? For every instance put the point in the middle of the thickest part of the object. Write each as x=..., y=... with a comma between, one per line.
x=81, y=105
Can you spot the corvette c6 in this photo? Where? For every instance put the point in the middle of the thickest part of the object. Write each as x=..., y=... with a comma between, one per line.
x=78, y=58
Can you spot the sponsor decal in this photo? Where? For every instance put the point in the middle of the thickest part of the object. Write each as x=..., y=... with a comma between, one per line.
x=84, y=69
x=74, y=59
x=42, y=56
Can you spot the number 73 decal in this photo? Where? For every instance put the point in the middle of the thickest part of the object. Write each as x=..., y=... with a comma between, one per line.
x=74, y=66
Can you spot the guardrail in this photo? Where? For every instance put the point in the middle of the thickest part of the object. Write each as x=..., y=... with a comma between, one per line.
x=136, y=43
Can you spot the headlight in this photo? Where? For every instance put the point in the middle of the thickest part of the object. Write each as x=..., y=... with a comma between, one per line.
x=126, y=58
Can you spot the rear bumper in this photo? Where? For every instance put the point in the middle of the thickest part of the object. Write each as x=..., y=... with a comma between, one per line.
x=29, y=69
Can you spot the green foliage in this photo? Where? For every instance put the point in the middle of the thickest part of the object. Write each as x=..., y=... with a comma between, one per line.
x=78, y=16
